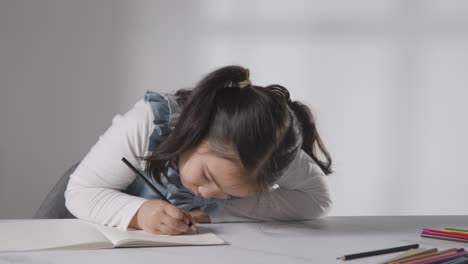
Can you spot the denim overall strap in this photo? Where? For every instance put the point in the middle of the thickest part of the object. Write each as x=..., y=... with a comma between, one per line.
x=169, y=185
x=161, y=113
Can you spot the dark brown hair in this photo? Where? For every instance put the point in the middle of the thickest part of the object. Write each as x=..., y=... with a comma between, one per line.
x=262, y=124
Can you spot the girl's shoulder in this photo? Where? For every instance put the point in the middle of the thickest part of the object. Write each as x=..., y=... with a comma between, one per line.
x=164, y=107
x=165, y=114
x=302, y=170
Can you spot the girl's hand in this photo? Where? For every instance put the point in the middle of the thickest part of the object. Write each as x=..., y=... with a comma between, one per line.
x=198, y=216
x=161, y=217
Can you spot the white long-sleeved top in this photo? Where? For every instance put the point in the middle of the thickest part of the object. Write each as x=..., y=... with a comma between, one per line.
x=94, y=192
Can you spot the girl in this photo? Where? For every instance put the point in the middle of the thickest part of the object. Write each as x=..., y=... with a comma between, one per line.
x=227, y=150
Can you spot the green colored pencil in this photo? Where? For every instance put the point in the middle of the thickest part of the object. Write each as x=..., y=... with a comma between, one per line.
x=456, y=230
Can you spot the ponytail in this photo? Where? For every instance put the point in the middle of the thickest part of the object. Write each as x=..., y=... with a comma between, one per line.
x=311, y=141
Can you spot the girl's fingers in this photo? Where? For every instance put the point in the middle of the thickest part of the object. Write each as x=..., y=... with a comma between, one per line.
x=188, y=217
x=154, y=230
x=174, y=224
x=178, y=214
x=160, y=217
x=167, y=230
x=174, y=212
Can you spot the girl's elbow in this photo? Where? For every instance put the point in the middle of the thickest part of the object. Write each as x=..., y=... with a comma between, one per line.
x=70, y=203
x=320, y=208
x=326, y=206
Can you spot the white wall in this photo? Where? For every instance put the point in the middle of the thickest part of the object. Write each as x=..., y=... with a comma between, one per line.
x=387, y=82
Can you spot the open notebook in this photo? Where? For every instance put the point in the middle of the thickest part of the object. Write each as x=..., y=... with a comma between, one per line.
x=47, y=234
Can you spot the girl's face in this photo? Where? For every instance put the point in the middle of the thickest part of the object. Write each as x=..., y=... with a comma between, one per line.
x=211, y=176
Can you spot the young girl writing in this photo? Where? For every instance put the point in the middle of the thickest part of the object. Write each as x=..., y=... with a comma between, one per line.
x=226, y=150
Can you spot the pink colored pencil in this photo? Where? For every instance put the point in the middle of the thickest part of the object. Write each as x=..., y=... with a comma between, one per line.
x=441, y=233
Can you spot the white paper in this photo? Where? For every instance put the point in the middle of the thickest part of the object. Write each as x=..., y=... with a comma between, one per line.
x=141, y=238
x=24, y=235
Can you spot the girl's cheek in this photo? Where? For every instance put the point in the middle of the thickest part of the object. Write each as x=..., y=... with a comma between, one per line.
x=190, y=179
x=209, y=191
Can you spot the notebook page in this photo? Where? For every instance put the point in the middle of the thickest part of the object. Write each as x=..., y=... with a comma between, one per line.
x=42, y=234
x=136, y=238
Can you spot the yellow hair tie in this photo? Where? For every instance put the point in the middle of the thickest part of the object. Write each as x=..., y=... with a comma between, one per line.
x=244, y=83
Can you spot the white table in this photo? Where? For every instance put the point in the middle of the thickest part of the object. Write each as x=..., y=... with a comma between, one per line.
x=316, y=241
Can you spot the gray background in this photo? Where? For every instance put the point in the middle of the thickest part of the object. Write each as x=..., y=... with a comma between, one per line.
x=386, y=80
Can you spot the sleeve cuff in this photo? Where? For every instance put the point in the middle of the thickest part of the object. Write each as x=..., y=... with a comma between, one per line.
x=130, y=210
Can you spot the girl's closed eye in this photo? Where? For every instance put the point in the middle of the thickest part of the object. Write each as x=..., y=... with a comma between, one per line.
x=219, y=193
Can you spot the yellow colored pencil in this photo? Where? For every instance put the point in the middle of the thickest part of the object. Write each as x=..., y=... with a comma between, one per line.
x=455, y=230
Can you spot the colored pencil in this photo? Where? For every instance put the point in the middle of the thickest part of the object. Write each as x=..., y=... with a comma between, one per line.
x=445, y=238
x=410, y=254
x=450, y=260
x=456, y=230
x=460, y=260
x=445, y=232
x=438, y=253
x=441, y=257
x=378, y=252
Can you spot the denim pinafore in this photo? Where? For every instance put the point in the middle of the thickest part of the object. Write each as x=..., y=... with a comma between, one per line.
x=171, y=186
